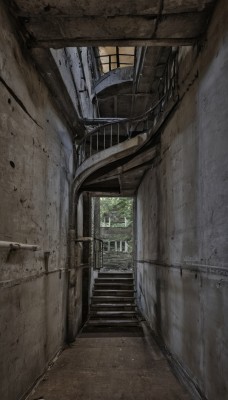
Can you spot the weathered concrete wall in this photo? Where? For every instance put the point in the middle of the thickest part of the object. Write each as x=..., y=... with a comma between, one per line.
x=35, y=174
x=182, y=224
x=73, y=66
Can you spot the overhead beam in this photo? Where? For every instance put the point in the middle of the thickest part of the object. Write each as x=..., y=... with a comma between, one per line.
x=82, y=8
x=132, y=30
x=78, y=42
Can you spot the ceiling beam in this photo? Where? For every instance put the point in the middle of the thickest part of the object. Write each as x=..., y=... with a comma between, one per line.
x=78, y=42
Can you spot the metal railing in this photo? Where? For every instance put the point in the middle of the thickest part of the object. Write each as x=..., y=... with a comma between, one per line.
x=114, y=60
x=111, y=134
x=96, y=251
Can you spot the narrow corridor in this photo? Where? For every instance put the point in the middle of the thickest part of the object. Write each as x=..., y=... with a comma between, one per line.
x=113, y=188
x=124, y=365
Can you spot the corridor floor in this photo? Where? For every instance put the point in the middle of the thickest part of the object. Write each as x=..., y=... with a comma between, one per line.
x=121, y=366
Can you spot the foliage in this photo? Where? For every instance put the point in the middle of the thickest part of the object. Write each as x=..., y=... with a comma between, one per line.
x=120, y=206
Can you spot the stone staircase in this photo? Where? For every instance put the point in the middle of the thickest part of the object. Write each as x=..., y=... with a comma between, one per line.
x=113, y=301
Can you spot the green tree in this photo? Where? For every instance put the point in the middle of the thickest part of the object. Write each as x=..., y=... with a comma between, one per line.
x=121, y=206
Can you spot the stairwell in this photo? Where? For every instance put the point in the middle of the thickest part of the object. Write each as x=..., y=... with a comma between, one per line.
x=113, y=303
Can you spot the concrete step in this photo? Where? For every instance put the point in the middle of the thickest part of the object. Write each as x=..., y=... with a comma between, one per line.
x=129, y=281
x=113, y=293
x=112, y=299
x=112, y=275
x=113, y=307
x=113, y=285
x=113, y=322
x=112, y=314
x=112, y=331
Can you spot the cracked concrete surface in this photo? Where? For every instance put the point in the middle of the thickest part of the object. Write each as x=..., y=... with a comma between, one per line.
x=122, y=366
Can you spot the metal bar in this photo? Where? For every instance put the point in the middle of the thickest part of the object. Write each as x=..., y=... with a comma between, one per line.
x=111, y=137
x=117, y=57
x=118, y=133
x=104, y=138
x=18, y=246
x=83, y=151
x=84, y=239
x=77, y=157
x=97, y=141
x=102, y=255
x=80, y=154
x=90, y=146
x=110, y=63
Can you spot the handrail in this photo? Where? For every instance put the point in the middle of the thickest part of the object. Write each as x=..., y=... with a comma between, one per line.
x=18, y=246
x=113, y=133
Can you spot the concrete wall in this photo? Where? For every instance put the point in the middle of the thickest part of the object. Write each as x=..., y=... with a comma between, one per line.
x=35, y=174
x=74, y=69
x=182, y=223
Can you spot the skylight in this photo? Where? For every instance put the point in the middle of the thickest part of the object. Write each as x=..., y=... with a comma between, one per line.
x=115, y=57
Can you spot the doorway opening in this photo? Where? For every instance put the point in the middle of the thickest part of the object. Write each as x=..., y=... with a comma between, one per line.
x=112, y=222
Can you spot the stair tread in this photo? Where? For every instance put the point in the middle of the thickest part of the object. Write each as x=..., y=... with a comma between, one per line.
x=117, y=279
x=112, y=297
x=115, y=304
x=111, y=321
x=115, y=276
x=113, y=312
x=113, y=283
x=113, y=290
